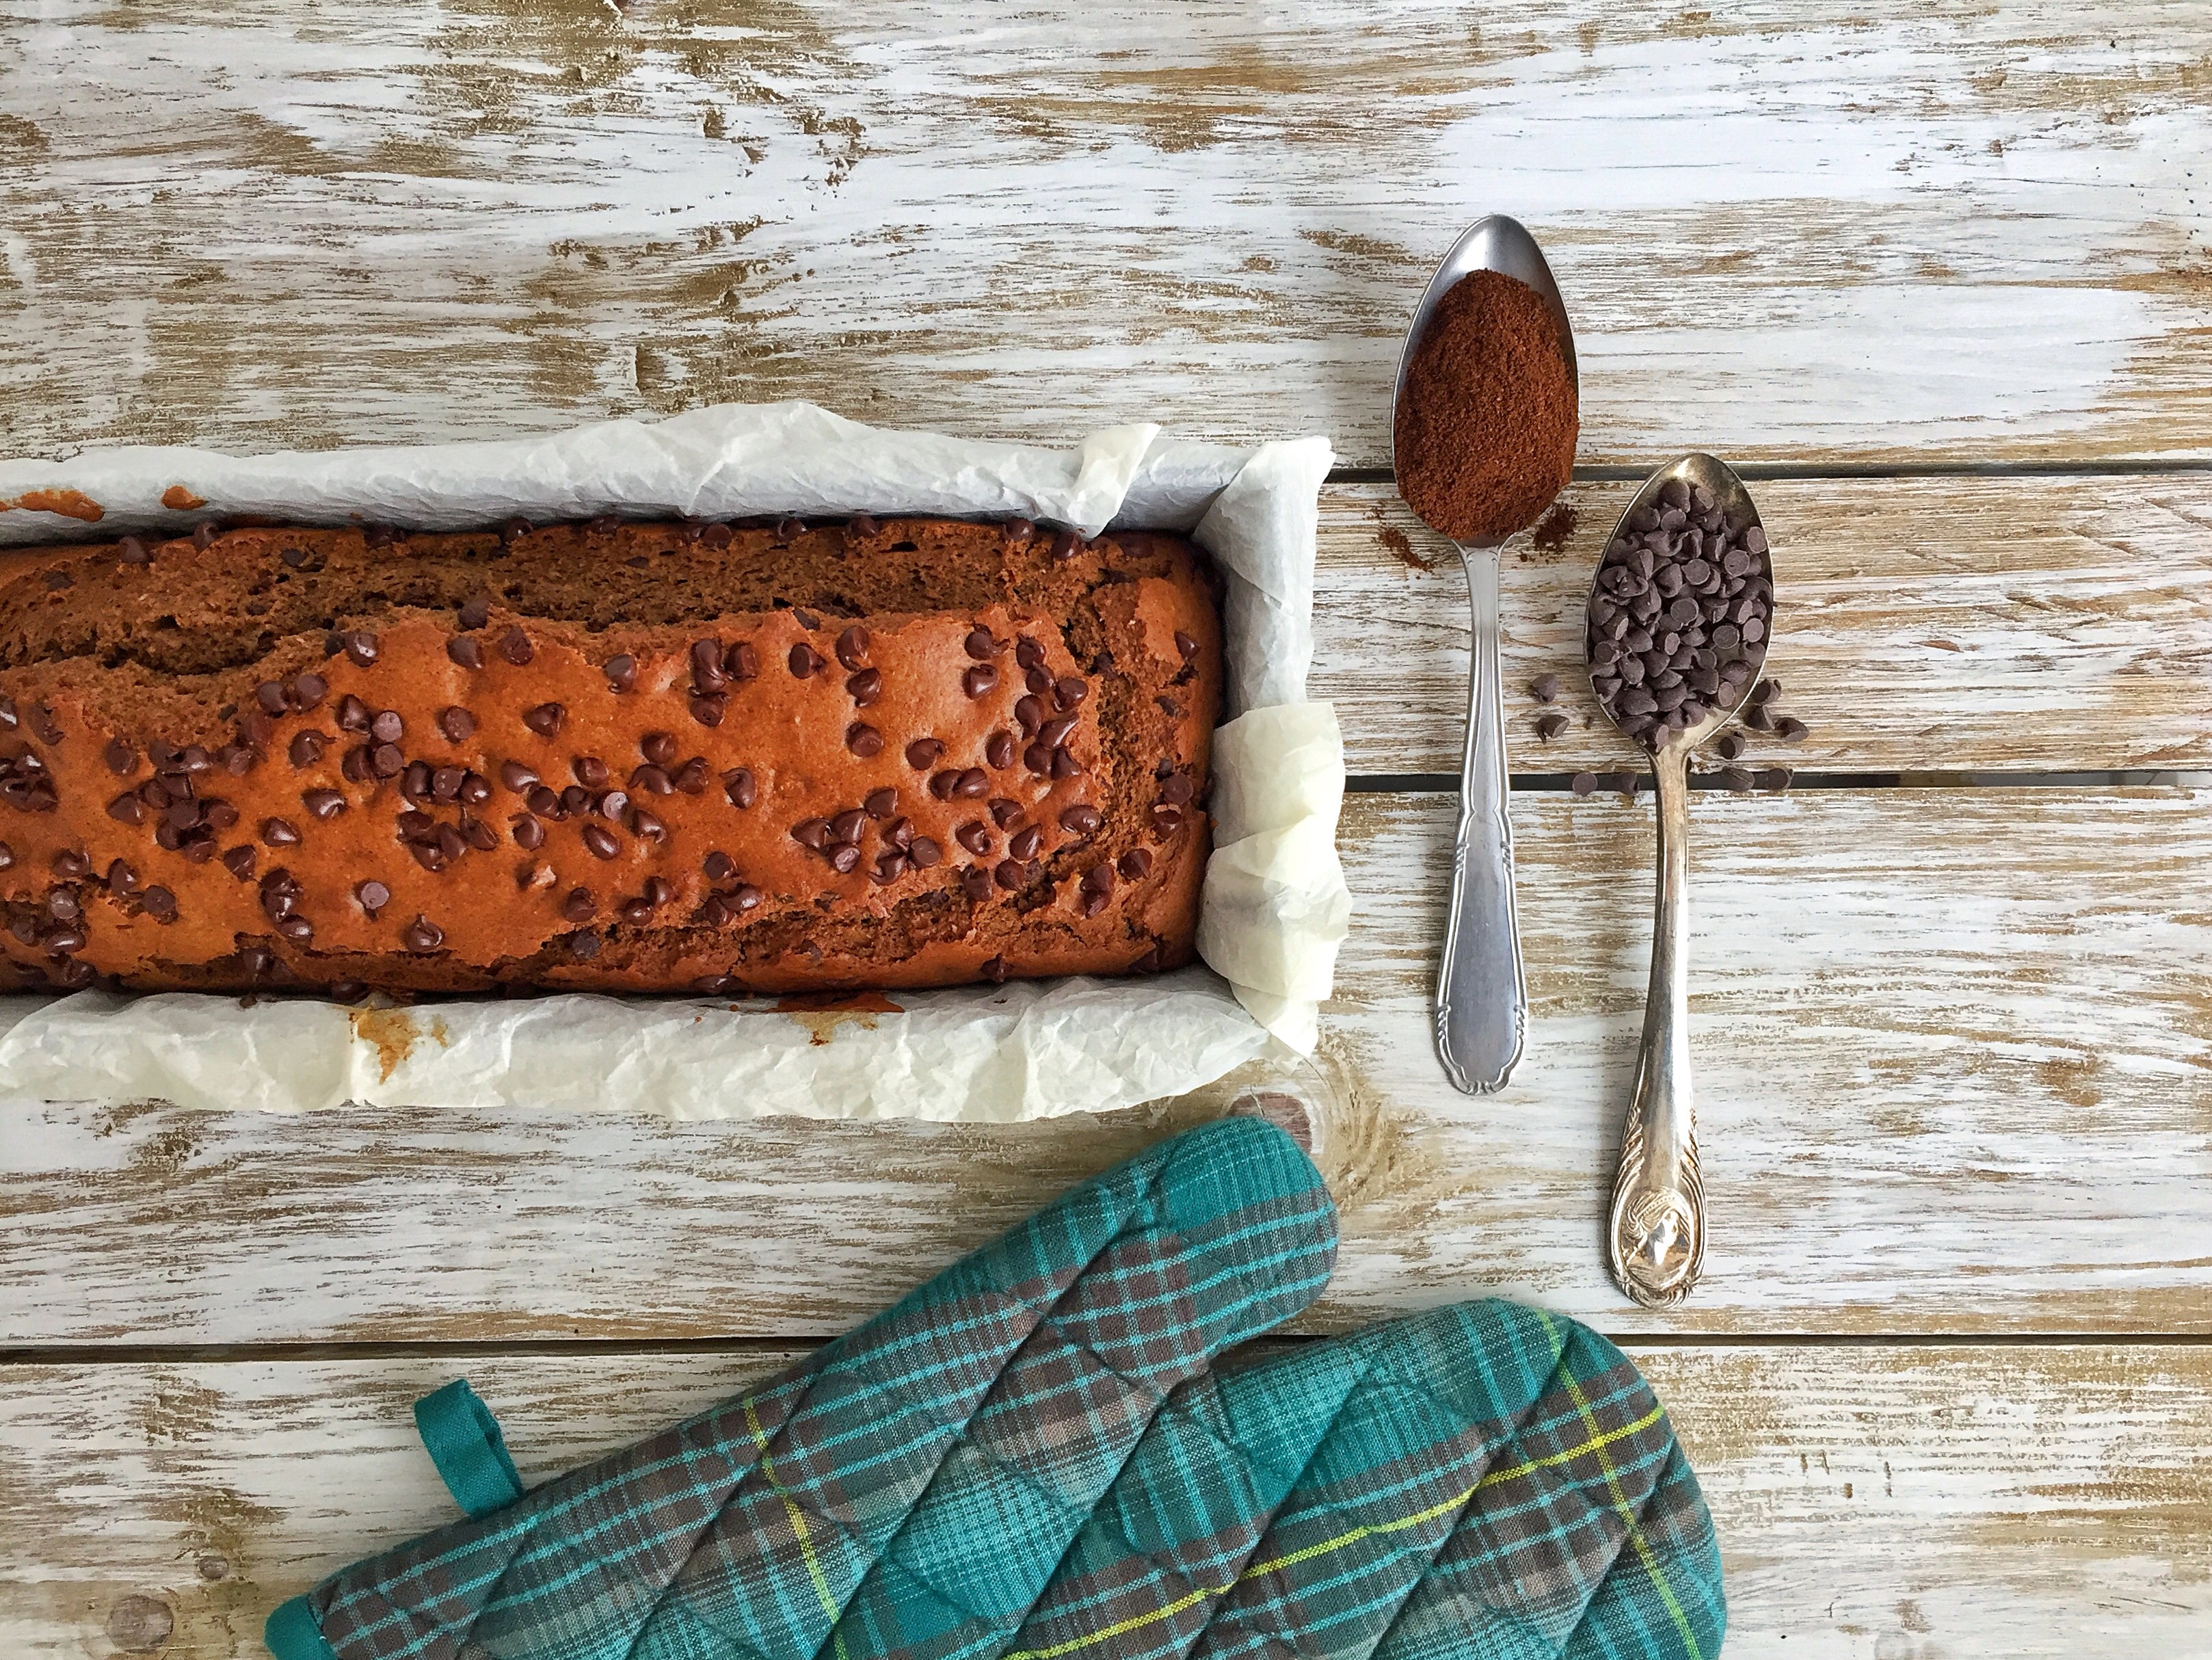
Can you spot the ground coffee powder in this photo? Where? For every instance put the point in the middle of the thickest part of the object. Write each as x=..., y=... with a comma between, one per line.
x=1486, y=428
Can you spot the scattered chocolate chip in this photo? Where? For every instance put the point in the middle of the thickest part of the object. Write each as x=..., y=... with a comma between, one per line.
x=515, y=645
x=372, y=896
x=1549, y=726
x=1065, y=544
x=863, y=739
x=203, y=534
x=923, y=752
x=1736, y=779
x=465, y=651
x=805, y=660
x=738, y=784
x=545, y=719
x=924, y=853
x=132, y=551
x=277, y=833
x=122, y=760
x=1081, y=819
x=979, y=645
x=388, y=727
x=621, y=670
x=741, y=661
x=1544, y=688
x=161, y=904
x=127, y=809
x=324, y=804
x=980, y=680
x=421, y=936
x=852, y=647
x=1766, y=691
x=708, y=711
x=528, y=832
x=601, y=841
x=361, y=648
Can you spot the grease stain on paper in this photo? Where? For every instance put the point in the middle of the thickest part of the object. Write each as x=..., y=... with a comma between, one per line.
x=69, y=503
x=394, y=1034
x=822, y=1012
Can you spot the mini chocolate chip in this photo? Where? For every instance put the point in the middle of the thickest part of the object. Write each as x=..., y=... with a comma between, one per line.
x=999, y=750
x=1067, y=544
x=658, y=747
x=132, y=551
x=545, y=719
x=738, y=784
x=610, y=805
x=881, y=803
x=1068, y=691
x=278, y=834
x=719, y=866
x=1008, y=874
x=239, y=861
x=388, y=727
x=1766, y=691
x=1549, y=726
x=1136, y=864
x=474, y=613
x=269, y=694
x=1081, y=819
x=385, y=761
x=324, y=804
x=1176, y=789
x=811, y=833
x=126, y=809
x=1185, y=645
x=1005, y=812
x=648, y=778
x=161, y=904
x=975, y=837
x=899, y=832
x=1028, y=712
x=922, y=754
x=1729, y=745
x=529, y=834
x=845, y=858
x=589, y=771
x=981, y=646
x=1166, y=820
x=1790, y=729
x=1024, y=843
x=621, y=670
x=865, y=687
x=863, y=739
x=1544, y=688
x=465, y=651
x=924, y=853
x=741, y=661
x=852, y=647
x=203, y=534
x=804, y=659
x=122, y=760
x=515, y=645
x=584, y=947
x=421, y=936
x=707, y=711
x=601, y=841
x=373, y=895
x=981, y=681
x=305, y=749
x=516, y=776
x=1583, y=783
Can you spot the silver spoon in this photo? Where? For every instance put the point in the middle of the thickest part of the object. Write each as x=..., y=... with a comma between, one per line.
x=1656, y=1232
x=1482, y=997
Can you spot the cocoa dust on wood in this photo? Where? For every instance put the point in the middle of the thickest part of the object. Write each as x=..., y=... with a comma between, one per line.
x=1484, y=434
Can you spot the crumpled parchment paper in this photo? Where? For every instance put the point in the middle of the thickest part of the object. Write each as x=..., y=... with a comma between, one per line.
x=1275, y=905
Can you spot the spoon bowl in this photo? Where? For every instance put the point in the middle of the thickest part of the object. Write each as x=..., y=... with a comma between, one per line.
x=1656, y=1230
x=1482, y=997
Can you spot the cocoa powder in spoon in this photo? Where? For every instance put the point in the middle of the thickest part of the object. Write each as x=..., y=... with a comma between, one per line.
x=1484, y=434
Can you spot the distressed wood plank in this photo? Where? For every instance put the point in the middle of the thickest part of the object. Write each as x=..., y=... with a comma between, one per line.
x=1930, y=625
x=1792, y=229
x=1953, y=1056
x=2026, y=1501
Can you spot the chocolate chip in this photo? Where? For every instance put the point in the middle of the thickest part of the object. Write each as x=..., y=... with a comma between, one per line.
x=1065, y=544
x=1728, y=745
x=811, y=833
x=593, y=773
x=1135, y=865
x=515, y=645
x=980, y=680
x=279, y=833
x=1544, y=688
x=354, y=716
x=203, y=534
x=361, y=648
x=1790, y=729
x=708, y=711
x=621, y=670
x=324, y=804
x=126, y=809
x=385, y=761
x=1549, y=726
x=979, y=645
x=923, y=752
x=1736, y=779
x=474, y=613
x=528, y=833
x=975, y=883
x=465, y=651
x=584, y=947
x=122, y=760
x=516, y=776
x=373, y=895
x=1024, y=843
x=388, y=727
x=1081, y=819
x=845, y=858
x=865, y=687
x=1006, y=813
x=161, y=904
x=239, y=861
x=305, y=749
x=446, y=783
x=1148, y=964
x=999, y=750
x=269, y=694
x=881, y=803
x=738, y=784
x=1065, y=765
x=925, y=852
x=805, y=660
x=852, y=647
x=741, y=661
x=1766, y=691
x=975, y=837
x=1166, y=821
x=132, y=551
x=863, y=739
x=789, y=529
x=601, y=841
x=610, y=805
x=1068, y=691
x=648, y=778
x=691, y=777
x=1176, y=789
x=421, y=936
x=1056, y=732
x=545, y=719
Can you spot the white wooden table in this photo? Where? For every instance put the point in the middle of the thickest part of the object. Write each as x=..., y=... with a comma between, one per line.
x=1942, y=272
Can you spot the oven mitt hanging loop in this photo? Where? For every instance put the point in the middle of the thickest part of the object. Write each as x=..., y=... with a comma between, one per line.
x=462, y=1440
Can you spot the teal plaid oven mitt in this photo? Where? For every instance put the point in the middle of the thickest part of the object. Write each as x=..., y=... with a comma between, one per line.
x=1035, y=1457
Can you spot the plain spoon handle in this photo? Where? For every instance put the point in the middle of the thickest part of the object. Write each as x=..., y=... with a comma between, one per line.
x=1482, y=1002
x=1656, y=1233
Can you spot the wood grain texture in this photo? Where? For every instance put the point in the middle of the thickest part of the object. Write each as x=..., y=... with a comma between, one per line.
x=1884, y=1501
x=1953, y=1055
x=1930, y=625
x=1800, y=228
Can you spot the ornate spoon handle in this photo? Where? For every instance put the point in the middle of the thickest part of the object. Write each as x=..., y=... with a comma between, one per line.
x=1482, y=1001
x=1656, y=1234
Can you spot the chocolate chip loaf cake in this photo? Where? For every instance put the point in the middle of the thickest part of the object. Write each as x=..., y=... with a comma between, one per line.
x=619, y=756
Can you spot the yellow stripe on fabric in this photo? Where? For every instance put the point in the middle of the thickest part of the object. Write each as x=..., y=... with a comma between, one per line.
x=1595, y=1444
x=1644, y=1552
x=797, y=1523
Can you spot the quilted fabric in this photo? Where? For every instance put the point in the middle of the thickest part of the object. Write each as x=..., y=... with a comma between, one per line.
x=1032, y=1457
